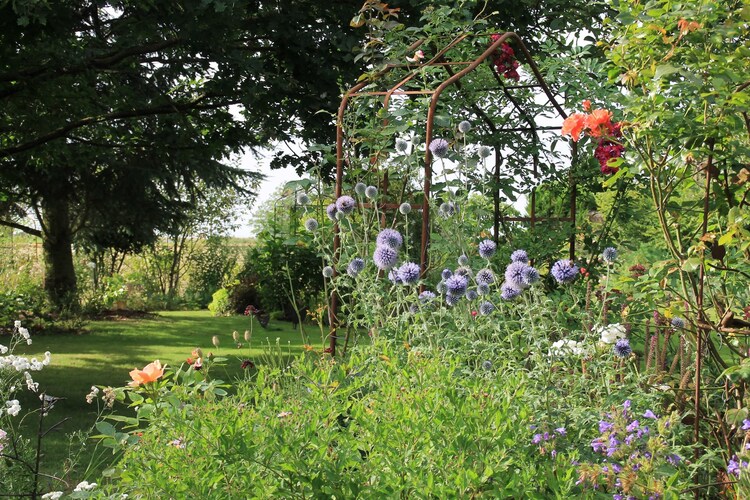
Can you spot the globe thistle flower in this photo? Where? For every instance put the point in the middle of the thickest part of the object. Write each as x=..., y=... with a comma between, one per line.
x=346, y=204
x=622, y=348
x=452, y=300
x=487, y=365
x=360, y=188
x=464, y=271
x=385, y=257
x=471, y=294
x=340, y=215
x=529, y=276
x=520, y=256
x=404, y=208
x=486, y=308
x=447, y=273
x=439, y=147
x=463, y=260
x=487, y=249
x=483, y=289
x=484, y=152
x=394, y=277
x=331, y=210
x=485, y=276
x=390, y=238
x=514, y=274
x=409, y=273
x=678, y=323
x=440, y=287
x=426, y=296
x=355, y=267
x=456, y=285
x=447, y=209
x=564, y=271
x=464, y=126
x=371, y=192
x=609, y=255
x=327, y=272
x=311, y=225
x=401, y=145
x=508, y=291
x=303, y=199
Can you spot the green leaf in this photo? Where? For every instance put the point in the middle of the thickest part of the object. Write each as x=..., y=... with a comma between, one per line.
x=664, y=70
x=691, y=264
x=105, y=428
x=610, y=182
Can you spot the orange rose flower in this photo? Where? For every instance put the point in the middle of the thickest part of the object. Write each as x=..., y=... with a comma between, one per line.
x=150, y=373
x=574, y=125
x=586, y=105
x=599, y=122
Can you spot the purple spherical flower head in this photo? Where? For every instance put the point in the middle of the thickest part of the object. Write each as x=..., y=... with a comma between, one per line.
x=401, y=145
x=487, y=365
x=303, y=199
x=486, y=308
x=485, y=276
x=483, y=288
x=484, y=151
x=564, y=271
x=346, y=204
x=529, y=276
x=471, y=294
x=440, y=287
x=311, y=225
x=622, y=348
x=404, y=208
x=463, y=260
x=514, y=274
x=452, y=300
x=447, y=209
x=390, y=238
x=394, y=277
x=464, y=126
x=447, y=273
x=678, y=323
x=464, y=271
x=385, y=257
x=520, y=256
x=609, y=255
x=409, y=273
x=371, y=192
x=487, y=249
x=456, y=285
x=331, y=211
x=327, y=271
x=355, y=267
x=426, y=296
x=508, y=291
x=439, y=147
x=360, y=188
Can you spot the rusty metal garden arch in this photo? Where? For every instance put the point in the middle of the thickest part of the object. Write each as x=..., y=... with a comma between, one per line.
x=454, y=78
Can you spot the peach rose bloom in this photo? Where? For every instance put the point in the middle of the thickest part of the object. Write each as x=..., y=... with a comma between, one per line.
x=599, y=122
x=574, y=125
x=150, y=373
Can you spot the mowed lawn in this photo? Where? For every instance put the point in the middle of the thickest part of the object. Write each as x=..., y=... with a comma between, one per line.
x=106, y=351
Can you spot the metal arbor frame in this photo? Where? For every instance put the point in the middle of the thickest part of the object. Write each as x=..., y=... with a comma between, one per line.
x=454, y=78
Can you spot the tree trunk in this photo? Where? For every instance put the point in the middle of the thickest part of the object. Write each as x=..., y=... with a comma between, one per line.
x=57, y=243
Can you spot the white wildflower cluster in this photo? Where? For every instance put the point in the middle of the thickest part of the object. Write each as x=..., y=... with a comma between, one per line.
x=567, y=347
x=85, y=486
x=13, y=367
x=610, y=334
x=52, y=495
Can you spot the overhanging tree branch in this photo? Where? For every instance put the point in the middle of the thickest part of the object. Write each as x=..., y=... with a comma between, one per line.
x=21, y=227
x=171, y=108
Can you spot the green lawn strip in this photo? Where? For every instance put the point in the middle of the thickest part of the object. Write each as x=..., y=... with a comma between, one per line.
x=106, y=351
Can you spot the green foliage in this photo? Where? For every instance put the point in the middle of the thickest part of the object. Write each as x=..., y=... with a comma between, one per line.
x=212, y=267
x=220, y=304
